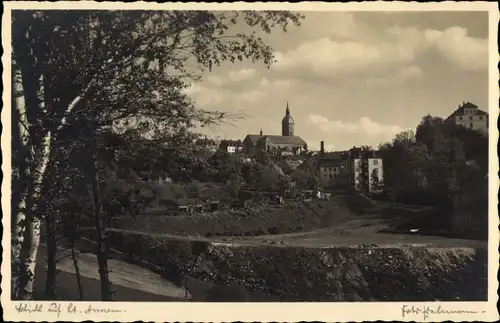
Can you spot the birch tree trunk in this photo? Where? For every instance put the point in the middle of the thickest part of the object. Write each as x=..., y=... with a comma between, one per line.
x=33, y=224
x=19, y=179
x=40, y=150
x=32, y=242
x=26, y=231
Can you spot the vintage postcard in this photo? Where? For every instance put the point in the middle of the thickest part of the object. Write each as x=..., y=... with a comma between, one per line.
x=215, y=162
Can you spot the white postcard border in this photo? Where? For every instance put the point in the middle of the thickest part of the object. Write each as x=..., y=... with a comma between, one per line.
x=216, y=312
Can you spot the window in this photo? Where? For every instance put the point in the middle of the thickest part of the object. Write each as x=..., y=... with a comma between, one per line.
x=470, y=118
x=461, y=118
x=471, y=125
x=481, y=118
x=375, y=162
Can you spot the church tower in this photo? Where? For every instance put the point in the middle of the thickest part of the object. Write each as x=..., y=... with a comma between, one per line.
x=287, y=123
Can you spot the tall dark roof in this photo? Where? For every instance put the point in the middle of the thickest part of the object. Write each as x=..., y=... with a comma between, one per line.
x=332, y=158
x=276, y=139
x=283, y=140
x=253, y=138
x=461, y=110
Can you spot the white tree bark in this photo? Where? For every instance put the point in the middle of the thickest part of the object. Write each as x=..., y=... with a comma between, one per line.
x=29, y=233
x=33, y=224
x=32, y=243
x=19, y=217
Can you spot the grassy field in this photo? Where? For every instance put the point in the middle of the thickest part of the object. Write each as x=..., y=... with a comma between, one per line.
x=290, y=217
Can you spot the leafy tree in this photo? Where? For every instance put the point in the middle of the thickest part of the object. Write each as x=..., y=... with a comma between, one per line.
x=375, y=185
x=430, y=169
x=223, y=166
x=263, y=157
x=304, y=178
x=234, y=186
x=428, y=128
x=109, y=70
x=405, y=138
x=246, y=172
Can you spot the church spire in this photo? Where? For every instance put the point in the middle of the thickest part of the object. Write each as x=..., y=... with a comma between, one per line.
x=287, y=123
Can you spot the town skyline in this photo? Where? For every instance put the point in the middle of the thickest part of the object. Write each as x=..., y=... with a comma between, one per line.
x=418, y=63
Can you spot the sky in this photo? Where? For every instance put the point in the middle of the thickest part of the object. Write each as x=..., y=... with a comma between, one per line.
x=354, y=78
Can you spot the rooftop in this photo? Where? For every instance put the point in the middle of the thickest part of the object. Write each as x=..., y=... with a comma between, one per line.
x=276, y=139
x=461, y=110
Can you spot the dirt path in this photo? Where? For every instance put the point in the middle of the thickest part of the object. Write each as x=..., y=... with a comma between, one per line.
x=329, y=237
x=123, y=274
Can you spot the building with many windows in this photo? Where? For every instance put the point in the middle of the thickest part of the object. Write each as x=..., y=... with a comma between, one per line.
x=368, y=170
x=331, y=166
x=470, y=116
x=360, y=168
x=334, y=167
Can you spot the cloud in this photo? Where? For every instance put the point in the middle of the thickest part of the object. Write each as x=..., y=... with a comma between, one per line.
x=453, y=44
x=364, y=125
x=204, y=96
x=276, y=84
x=335, y=25
x=394, y=45
x=326, y=56
x=408, y=72
x=242, y=74
x=465, y=52
x=250, y=96
x=401, y=76
x=215, y=80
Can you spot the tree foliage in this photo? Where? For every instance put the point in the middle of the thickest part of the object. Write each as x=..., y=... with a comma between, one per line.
x=430, y=166
x=112, y=83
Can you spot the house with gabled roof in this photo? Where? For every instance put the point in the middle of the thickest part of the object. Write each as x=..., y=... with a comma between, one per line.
x=231, y=146
x=470, y=116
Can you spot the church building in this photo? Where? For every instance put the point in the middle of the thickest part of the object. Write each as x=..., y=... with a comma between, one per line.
x=286, y=144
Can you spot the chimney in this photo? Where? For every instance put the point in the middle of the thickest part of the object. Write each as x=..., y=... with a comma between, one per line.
x=261, y=132
x=322, y=145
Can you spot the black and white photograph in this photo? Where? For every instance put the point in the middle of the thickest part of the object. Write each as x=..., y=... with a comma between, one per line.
x=249, y=153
